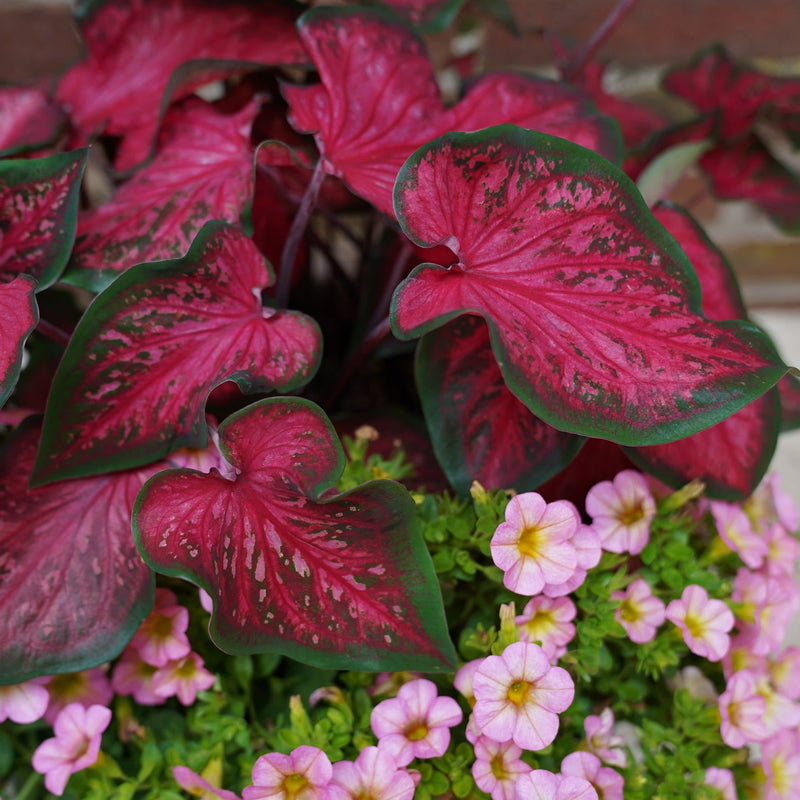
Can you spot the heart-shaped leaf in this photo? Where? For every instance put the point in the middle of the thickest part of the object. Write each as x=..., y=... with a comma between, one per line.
x=339, y=581
x=203, y=171
x=378, y=101
x=133, y=51
x=479, y=430
x=747, y=170
x=38, y=209
x=74, y=588
x=29, y=119
x=19, y=315
x=738, y=94
x=593, y=311
x=732, y=456
x=134, y=380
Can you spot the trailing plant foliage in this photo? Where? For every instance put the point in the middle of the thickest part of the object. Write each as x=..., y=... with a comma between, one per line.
x=555, y=312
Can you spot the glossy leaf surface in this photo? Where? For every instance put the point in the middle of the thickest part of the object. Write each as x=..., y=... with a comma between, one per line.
x=134, y=380
x=732, y=456
x=28, y=119
x=592, y=308
x=133, y=51
x=336, y=581
x=480, y=431
x=203, y=171
x=74, y=588
x=38, y=209
x=378, y=101
x=18, y=317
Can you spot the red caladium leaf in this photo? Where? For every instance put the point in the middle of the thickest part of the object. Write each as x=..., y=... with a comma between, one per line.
x=789, y=388
x=342, y=582
x=746, y=170
x=74, y=588
x=736, y=93
x=378, y=101
x=38, y=209
x=18, y=317
x=480, y=431
x=593, y=309
x=203, y=171
x=29, y=119
x=134, y=380
x=732, y=456
x=133, y=51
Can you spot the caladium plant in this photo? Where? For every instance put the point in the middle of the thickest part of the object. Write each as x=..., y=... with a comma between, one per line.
x=556, y=313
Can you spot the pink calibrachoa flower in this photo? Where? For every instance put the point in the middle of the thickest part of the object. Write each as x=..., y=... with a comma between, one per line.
x=767, y=605
x=539, y=784
x=782, y=549
x=88, y=687
x=722, y=780
x=304, y=774
x=76, y=744
x=23, y=702
x=134, y=676
x=601, y=740
x=622, y=511
x=734, y=528
x=498, y=767
x=548, y=621
x=640, y=611
x=198, y=786
x=162, y=636
x=608, y=783
x=416, y=723
x=587, y=552
x=374, y=775
x=781, y=712
x=184, y=678
x=769, y=504
x=780, y=759
x=533, y=546
x=704, y=623
x=785, y=673
x=462, y=681
x=742, y=711
x=519, y=695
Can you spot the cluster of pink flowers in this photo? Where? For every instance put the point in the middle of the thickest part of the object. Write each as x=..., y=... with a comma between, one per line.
x=158, y=662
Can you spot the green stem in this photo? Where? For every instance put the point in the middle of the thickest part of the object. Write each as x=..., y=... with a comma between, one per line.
x=34, y=779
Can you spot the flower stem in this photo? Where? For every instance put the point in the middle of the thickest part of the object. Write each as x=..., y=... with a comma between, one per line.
x=581, y=58
x=299, y=225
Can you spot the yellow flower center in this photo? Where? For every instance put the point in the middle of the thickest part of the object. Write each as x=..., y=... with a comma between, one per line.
x=67, y=685
x=531, y=539
x=628, y=610
x=631, y=515
x=540, y=624
x=499, y=768
x=294, y=784
x=694, y=625
x=161, y=627
x=518, y=692
x=416, y=731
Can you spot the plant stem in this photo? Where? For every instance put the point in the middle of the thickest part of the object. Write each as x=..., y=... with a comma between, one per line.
x=371, y=341
x=580, y=59
x=295, y=233
x=53, y=332
x=392, y=281
x=34, y=779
